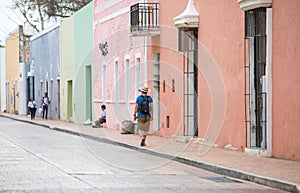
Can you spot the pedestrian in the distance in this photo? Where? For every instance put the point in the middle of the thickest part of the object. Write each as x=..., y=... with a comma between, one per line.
x=34, y=108
x=30, y=108
x=143, y=112
x=46, y=102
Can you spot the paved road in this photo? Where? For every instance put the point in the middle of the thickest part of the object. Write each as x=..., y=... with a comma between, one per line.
x=37, y=159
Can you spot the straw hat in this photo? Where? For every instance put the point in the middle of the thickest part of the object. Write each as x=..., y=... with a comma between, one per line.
x=145, y=89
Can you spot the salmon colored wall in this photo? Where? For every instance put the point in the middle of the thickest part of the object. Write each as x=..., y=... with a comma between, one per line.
x=171, y=68
x=221, y=35
x=221, y=50
x=171, y=102
x=286, y=68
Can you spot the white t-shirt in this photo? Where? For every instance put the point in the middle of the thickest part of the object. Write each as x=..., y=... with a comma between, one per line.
x=103, y=114
x=34, y=103
x=46, y=101
x=30, y=104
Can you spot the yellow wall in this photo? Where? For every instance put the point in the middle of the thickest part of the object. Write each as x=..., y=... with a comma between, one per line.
x=67, y=63
x=12, y=61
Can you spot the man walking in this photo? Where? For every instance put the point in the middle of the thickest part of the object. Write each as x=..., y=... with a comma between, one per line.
x=143, y=112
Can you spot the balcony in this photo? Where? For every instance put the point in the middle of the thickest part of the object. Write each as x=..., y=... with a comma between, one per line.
x=144, y=19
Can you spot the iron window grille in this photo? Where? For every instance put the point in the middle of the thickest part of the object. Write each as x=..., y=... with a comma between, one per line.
x=255, y=96
x=144, y=17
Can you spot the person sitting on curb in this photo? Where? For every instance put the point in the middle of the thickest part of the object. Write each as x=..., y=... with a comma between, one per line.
x=101, y=119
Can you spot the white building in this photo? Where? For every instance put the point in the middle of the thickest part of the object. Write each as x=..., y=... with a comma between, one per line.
x=2, y=77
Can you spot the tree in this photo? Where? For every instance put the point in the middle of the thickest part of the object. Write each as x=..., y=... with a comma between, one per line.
x=37, y=12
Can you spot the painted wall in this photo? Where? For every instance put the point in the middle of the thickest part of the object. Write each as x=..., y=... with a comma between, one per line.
x=67, y=64
x=112, y=28
x=2, y=79
x=45, y=50
x=221, y=78
x=286, y=68
x=12, y=61
x=83, y=53
x=220, y=69
x=171, y=65
x=23, y=68
x=221, y=62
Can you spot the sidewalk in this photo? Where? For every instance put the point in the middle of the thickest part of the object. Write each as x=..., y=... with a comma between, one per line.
x=276, y=173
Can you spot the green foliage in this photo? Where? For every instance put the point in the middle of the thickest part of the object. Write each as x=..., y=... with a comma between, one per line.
x=37, y=12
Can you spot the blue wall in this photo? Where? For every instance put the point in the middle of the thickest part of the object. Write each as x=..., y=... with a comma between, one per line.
x=45, y=51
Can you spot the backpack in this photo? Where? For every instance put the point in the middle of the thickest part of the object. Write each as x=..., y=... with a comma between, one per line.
x=145, y=106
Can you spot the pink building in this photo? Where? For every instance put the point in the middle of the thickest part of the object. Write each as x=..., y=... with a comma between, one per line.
x=119, y=61
x=223, y=71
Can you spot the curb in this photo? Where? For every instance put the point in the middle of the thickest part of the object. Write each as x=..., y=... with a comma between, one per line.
x=262, y=180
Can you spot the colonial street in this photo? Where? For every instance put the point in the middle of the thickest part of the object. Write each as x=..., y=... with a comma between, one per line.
x=37, y=159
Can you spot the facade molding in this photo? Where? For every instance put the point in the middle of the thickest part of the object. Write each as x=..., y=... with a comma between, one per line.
x=45, y=31
x=113, y=102
x=137, y=55
x=246, y=5
x=109, y=4
x=189, y=18
x=116, y=60
x=269, y=81
x=115, y=14
x=12, y=32
x=127, y=57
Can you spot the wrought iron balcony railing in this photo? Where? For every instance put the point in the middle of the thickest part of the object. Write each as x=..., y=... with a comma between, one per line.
x=144, y=19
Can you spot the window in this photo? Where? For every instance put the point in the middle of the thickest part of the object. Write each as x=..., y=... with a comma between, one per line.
x=104, y=83
x=127, y=87
x=255, y=37
x=137, y=74
x=116, y=81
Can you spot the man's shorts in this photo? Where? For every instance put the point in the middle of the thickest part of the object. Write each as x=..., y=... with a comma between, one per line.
x=144, y=124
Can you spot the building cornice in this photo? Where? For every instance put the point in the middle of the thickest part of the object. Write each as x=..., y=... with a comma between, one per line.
x=12, y=32
x=45, y=31
x=189, y=18
x=246, y=5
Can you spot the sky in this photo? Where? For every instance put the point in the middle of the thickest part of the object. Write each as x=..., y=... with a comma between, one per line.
x=9, y=19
